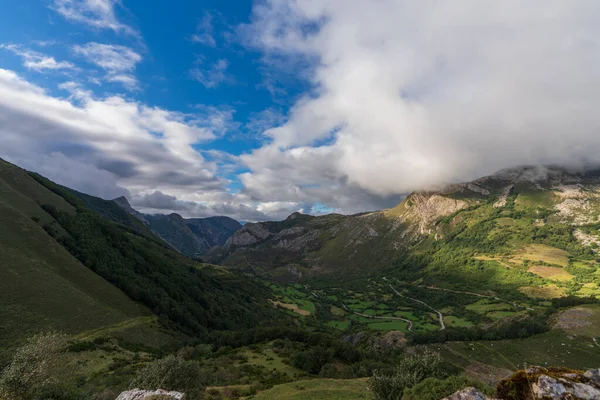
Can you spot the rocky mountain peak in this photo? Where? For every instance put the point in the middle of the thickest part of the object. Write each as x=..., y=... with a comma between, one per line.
x=294, y=215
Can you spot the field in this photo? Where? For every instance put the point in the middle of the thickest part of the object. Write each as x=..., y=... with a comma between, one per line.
x=379, y=305
x=548, y=349
x=552, y=273
x=318, y=389
x=543, y=292
x=545, y=254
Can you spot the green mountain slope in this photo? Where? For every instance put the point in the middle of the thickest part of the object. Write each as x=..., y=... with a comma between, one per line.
x=42, y=286
x=80, y=264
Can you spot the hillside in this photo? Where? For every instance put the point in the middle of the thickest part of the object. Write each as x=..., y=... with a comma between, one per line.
x=190, y=236
x=42, y=285
x=492, y=258
x=76, y=263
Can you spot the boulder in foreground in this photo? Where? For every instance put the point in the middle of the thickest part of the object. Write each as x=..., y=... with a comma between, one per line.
x=159, y=394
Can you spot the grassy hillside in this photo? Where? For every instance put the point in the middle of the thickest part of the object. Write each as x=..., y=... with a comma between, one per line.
x=82, y=265
x=174, y=287
x=42, y=286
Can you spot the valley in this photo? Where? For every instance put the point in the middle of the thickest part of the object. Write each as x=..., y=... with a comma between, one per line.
x=491, y=276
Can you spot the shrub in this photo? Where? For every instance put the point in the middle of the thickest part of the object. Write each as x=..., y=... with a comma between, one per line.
x=171, y=373
x=409, y=371
x=42, y=368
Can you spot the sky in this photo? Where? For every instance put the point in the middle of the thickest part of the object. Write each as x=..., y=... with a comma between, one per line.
x=257, y=109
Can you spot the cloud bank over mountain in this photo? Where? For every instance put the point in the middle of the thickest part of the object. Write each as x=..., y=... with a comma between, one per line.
x=412, y=94
x=380, y=99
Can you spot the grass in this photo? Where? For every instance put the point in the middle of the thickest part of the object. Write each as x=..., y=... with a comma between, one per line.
x=484, y=306
x=582, y=320
x=389, y=326
x=338, y=312
x=42, y=286
x=341, y=325
x=552, y=273
x=318, y=389
x=545, y=254
x=505, y=221
x=542, y=292
x=554, y=348
x=457, y=322
x=267, y=358
x=292, y=307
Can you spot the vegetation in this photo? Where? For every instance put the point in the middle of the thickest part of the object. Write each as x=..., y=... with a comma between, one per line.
x=478, y=289
x=175, y=288
x=41, y=369
x=409, y=371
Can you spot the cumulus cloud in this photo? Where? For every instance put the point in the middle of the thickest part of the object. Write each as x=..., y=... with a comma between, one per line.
x=407, y=95
x=114, y=146
x=212, y=76
x=118, y=61
x=143, y=147
x=37, y=61
x=99, y=14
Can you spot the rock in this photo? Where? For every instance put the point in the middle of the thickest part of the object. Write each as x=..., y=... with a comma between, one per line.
x=137, y=394
x=552, y=383
x=593, y=375
x=548, y=387
x=354, y=338
x=469, y=393
x=387, y=342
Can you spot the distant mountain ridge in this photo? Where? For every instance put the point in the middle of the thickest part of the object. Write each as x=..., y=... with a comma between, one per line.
x=303, y=246
x=190, y=236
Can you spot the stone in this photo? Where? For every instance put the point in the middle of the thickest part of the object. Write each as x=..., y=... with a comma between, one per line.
x=138, y=394
x=469, y=393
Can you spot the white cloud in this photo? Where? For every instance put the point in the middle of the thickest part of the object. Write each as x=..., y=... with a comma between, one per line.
x=115, y=146
x=204, y=31
x=37, y=61
x=409, y=94
x=118, y=61
x=212, y=76
x=98, y=14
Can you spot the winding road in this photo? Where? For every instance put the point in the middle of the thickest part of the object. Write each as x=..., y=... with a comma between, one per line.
x=440, y=316
x=470, y=294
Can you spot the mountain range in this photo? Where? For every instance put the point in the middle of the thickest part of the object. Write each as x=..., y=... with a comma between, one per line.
x=507, y=264
x=191, y=236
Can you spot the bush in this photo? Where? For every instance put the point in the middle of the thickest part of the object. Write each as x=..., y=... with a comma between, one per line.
x=409, y=371
x=41, y=369
x=171, y=373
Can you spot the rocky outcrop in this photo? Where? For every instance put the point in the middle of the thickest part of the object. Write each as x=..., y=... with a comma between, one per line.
x=551, y=383
x=159, y=394
x=249, y=234
x=124, y=204
x=469, y=393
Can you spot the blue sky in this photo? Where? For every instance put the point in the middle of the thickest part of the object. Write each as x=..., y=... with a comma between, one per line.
x=257, y=109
